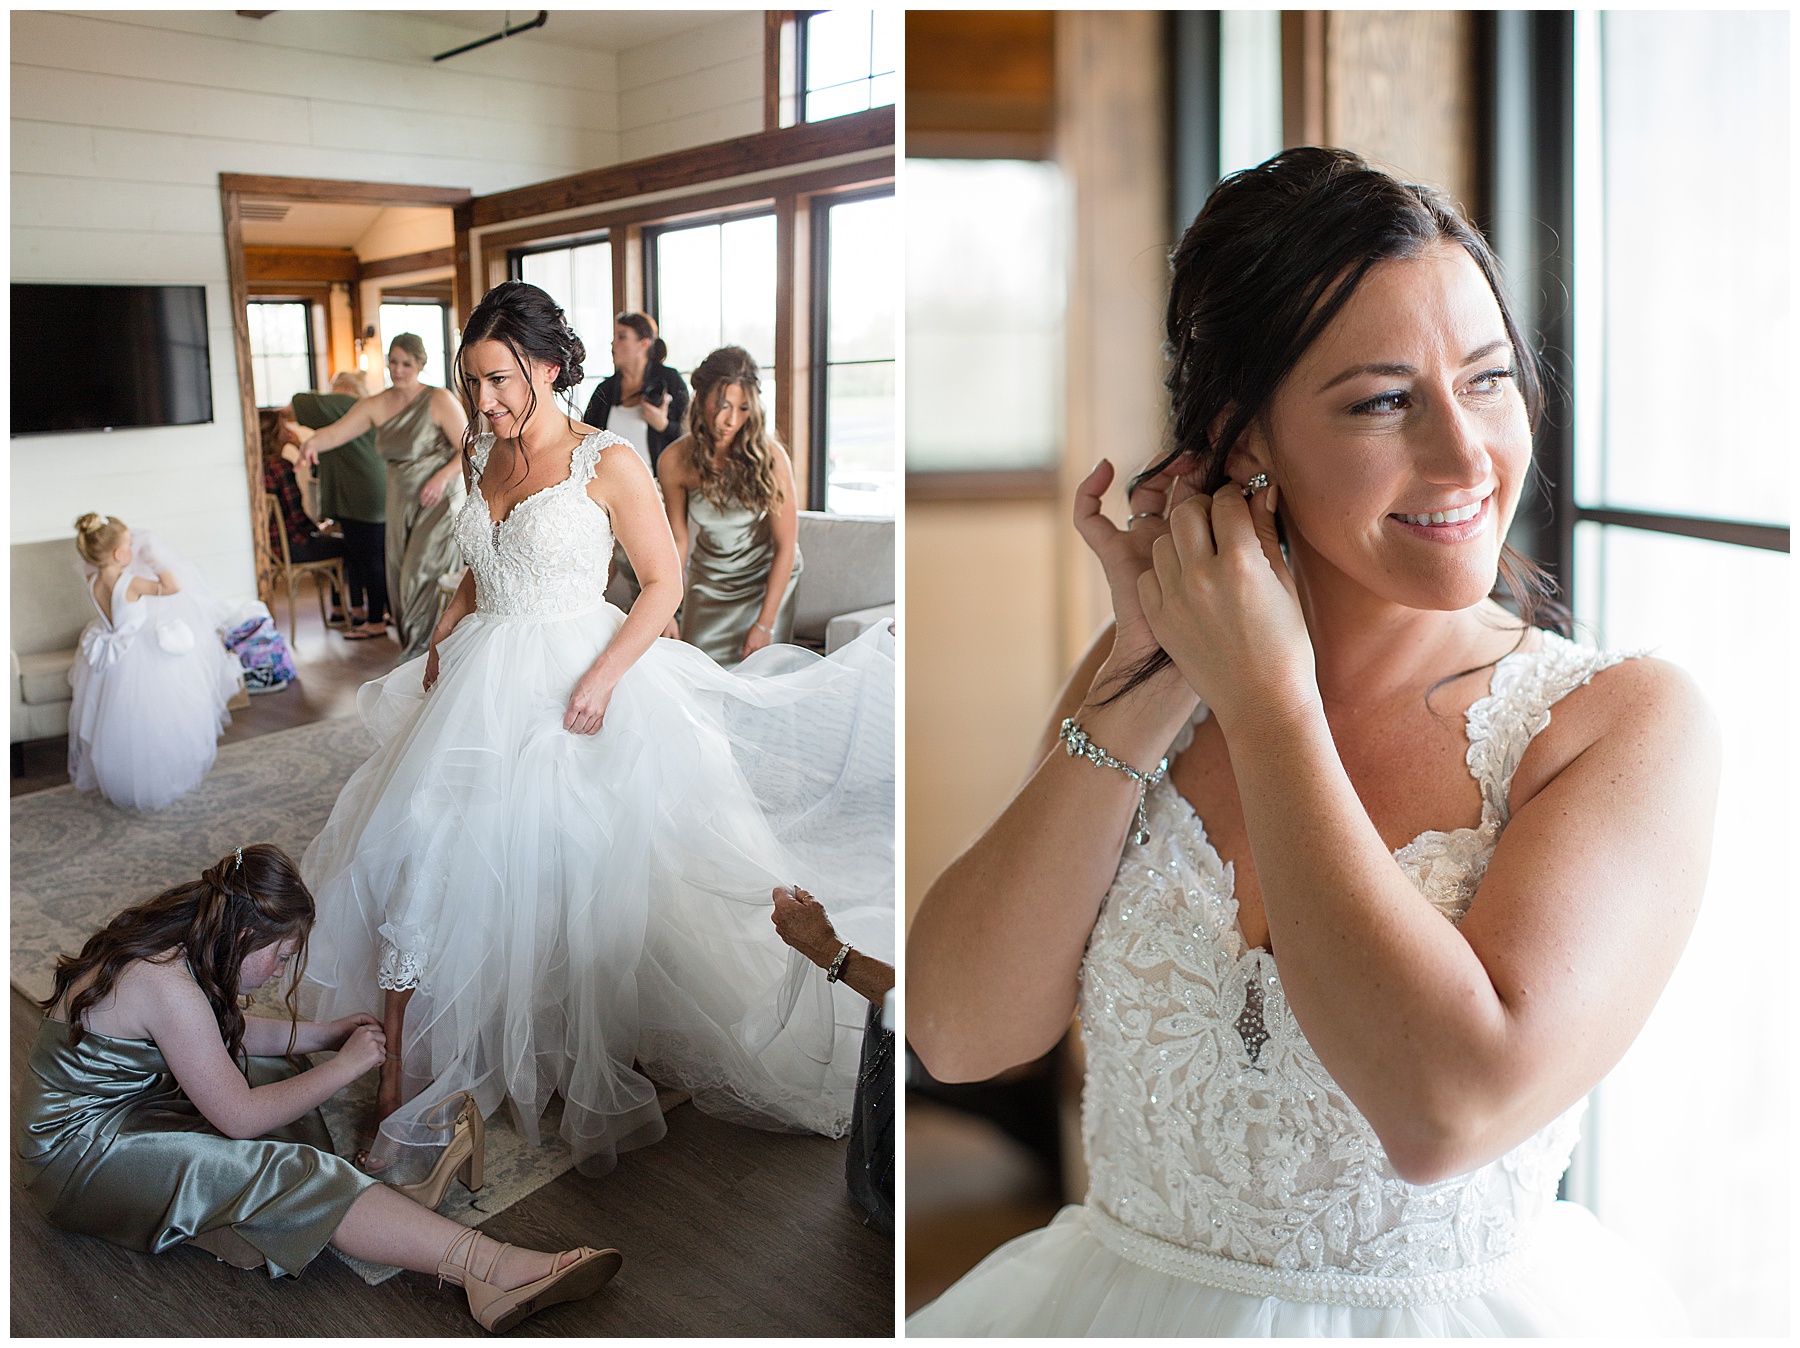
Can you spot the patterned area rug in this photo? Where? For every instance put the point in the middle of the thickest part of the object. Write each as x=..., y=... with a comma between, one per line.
x=76, y=860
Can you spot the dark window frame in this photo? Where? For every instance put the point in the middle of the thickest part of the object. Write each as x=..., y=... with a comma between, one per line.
x=443, y=308
x=515, y=257
x=312, y=346
x=652, y=234
x=819, y=331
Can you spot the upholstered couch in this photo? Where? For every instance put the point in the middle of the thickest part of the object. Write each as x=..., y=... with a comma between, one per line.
x=847, y=584
x=49, y=608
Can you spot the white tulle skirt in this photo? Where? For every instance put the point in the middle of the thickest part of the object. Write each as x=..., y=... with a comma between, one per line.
x=145, y=720
x=584, y=915
x=1578, y=1280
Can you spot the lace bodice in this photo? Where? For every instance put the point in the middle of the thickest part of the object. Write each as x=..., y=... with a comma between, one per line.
x=1218, y=1147
x=550, y=555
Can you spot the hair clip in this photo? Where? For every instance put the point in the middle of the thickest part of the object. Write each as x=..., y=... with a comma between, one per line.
x=240, y=857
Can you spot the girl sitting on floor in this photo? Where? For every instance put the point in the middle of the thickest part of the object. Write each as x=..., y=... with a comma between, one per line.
x=152, y=679
x=157, y=1112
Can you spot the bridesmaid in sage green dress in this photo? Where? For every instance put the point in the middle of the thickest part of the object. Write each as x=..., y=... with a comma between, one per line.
x=728, y=485
x=418, y=431
x=155, y=1113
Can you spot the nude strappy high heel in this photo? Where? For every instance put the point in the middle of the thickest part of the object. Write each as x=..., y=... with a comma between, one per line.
x=578, y=1273
x=464, y=1157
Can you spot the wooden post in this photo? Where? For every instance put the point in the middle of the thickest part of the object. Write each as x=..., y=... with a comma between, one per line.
x=240, y=333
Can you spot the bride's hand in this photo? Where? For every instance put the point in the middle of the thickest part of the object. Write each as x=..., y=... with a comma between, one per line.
x=1125, y=554
x=1219, y=598
x=431, y=666
x=587, y=704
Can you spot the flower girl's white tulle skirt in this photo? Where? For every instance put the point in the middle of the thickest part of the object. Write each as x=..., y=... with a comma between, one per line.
x=1577, y=1280
x=583, y=915
x=149, y=701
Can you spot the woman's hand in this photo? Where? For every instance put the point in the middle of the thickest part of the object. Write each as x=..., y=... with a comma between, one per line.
x=673, y=630
x=656, y=415
x=588, y=703
x=364, y=1050
x=437, y=484
x=334, y=1033
x=800, y=920
x=1219, y=598
x=431, y=666
x=754, y=640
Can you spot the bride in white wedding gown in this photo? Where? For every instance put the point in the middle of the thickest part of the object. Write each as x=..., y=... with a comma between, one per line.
x=557, y=865
x=1338, y=1036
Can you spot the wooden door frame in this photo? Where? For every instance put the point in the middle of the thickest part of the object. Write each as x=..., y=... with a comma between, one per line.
x=233, y=188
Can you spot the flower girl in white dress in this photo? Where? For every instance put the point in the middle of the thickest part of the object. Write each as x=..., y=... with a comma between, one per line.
x=152, y=679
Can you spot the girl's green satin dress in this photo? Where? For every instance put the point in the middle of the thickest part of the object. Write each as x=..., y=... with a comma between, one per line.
x=727, y=577
x=115, y=1149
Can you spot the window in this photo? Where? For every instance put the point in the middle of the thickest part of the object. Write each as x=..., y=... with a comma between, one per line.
x=985, y=289
x=853, y=333
x=1682, y=454
x=281, y=350
x=578, y=277
x=429, y=323
x=849, y=56
x=713, y=285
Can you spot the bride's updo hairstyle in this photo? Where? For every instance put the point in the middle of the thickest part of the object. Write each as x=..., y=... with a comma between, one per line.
x=528, y=323
x=235, y=908
x=1271, y=259
x=97, y=537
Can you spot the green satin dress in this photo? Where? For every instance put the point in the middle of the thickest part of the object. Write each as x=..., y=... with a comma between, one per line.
x=114, y=1149
x=420, y=545
x=729, y=558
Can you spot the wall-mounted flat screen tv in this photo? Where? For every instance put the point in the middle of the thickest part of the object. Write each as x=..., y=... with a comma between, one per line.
x=101, y=358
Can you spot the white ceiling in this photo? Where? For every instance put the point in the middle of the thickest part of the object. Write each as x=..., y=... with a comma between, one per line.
x=590, y=29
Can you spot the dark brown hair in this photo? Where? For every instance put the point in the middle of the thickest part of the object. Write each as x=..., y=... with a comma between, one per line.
x=748, y=477
x=527, y=322
x=233, y=909
x=645, y=327
x=1272, y=258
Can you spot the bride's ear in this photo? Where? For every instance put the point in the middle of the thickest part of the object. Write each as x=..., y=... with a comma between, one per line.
x=1250, y=456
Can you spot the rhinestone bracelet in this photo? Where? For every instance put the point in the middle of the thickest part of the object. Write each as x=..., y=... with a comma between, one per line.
x=1077, y=741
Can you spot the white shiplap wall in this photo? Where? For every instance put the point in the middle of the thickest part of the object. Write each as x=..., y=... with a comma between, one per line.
x=123, y=120
x=702, y=86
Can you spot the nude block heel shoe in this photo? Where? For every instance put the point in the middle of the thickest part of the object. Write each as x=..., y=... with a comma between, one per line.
x=578, y=1273
x=464, y=1157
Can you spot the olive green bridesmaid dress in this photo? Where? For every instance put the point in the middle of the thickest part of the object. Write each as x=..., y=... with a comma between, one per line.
x=420, y=545
x=114, y=1149
x=728, y=567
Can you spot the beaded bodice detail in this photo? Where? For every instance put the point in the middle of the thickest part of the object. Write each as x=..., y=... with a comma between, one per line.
x=1210, y=1124
x=550, y=554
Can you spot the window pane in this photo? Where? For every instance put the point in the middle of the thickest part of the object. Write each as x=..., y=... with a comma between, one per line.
x=1694, y=112
x=851, y=57
x=984, y=314
x=280, y=363
x=860, y=471
x=859, y=416
x=715, y=286
x=580, y=280
x=837, y=47
x=426, y=322
x=1664, y=1181
x=861, y=309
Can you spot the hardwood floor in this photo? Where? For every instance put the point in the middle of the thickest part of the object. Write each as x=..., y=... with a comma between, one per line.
x=725, y=1230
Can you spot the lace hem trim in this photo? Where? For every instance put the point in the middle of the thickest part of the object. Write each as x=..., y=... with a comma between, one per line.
x=1329, y=1287
x=399, y=970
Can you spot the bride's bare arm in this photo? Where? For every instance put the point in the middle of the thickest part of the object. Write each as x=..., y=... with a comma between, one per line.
x=623, y=487
x=994, y=951
x=1455, y=1042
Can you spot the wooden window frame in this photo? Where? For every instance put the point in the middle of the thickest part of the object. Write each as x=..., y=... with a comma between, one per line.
x=290, y=295
x=779, y=170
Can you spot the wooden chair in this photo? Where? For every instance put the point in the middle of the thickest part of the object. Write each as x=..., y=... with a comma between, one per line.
x=328, y=571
